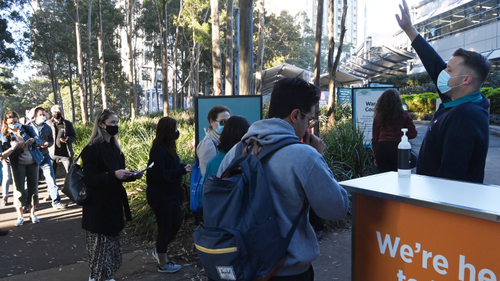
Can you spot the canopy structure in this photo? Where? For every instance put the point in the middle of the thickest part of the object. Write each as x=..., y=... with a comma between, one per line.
x=378, y=62
x=274, y=74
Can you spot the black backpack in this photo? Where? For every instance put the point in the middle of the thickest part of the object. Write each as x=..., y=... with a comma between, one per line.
x=240, y=237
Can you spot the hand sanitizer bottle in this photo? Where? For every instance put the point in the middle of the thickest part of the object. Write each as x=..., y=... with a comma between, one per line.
x=404, y=156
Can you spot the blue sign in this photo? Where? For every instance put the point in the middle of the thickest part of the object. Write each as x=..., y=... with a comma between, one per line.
x=344, y=95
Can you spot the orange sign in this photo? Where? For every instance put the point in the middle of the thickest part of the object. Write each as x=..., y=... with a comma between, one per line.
x=399, y=241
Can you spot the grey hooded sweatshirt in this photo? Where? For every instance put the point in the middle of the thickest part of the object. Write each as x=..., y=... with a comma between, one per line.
x=297, y=173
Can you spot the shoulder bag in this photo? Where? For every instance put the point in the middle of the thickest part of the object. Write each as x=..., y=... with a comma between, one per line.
x=74, y=187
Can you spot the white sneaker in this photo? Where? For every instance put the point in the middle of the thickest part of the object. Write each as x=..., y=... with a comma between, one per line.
x=155, y=255
x=19, y=221
x=34, y=219
x=169, y=267
x=58, y=206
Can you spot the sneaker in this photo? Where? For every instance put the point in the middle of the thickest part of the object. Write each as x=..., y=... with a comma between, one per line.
x=59, y=206
x=169, y=267
x=19, y=221
x=47, y=198
x=155, y=255
x=34, y=219
x=4, y=201
x=3, y=232
x=319, y=234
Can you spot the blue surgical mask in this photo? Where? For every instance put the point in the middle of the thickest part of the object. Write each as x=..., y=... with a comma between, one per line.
x=219, y=129
x=443, y=79
x=14, y=126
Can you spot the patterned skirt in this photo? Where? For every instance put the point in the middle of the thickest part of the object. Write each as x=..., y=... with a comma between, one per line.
x=105, y=255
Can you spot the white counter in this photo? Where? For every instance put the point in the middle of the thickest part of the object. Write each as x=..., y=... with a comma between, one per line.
x=471, y=199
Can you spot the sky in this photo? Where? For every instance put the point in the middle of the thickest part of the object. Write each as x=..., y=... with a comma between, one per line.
x=381, y=16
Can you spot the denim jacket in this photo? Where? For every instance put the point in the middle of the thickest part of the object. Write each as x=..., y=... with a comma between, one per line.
x=26, y=132
x=45, y=134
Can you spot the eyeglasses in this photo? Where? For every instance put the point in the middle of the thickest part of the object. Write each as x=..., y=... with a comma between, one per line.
x=222, y=122
x=312, y=121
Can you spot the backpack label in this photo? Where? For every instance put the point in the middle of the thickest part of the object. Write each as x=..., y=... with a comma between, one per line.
x=226, y=272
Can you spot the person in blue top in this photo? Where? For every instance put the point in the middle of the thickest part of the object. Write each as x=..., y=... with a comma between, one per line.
x=45, y=133
x=236, y=127
x=25, y=158
x=456, y=142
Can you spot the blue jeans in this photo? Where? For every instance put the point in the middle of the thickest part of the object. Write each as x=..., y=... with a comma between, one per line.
x=50, y=179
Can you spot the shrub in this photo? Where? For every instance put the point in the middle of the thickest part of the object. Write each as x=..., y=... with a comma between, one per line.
x=495, y=119
x=421, y=103
x=494, y=96
x=345, y=152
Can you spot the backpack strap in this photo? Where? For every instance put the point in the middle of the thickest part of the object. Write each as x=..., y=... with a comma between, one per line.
x=296, y=223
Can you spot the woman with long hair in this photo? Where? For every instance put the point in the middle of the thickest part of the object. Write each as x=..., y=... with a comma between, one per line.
x=390, y=118
x=164, y=181
x=236, y=127
x=22, y=142
x=103, y=174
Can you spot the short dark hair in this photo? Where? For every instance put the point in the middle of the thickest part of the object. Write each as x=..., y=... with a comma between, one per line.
x=236, y=127
x=292, y=93
x=38, y=110
x=212, y=114
x=475, y=61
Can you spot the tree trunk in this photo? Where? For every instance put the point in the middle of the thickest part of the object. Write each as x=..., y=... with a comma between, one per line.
x=90, y=93
x=229, y=46
x=101, y=56
x=236, y=56
x=216, y=59
x=130, y=53
x=71, y=91
x=317, y=57
x=80, y=68
x=246, y=55
x=174, y=53
x=164, y=73
x=260, y=51
x=332, y=66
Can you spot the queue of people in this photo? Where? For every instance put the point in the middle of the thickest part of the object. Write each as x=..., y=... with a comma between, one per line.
x=454, y=147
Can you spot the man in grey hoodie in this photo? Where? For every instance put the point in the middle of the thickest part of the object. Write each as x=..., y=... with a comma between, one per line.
x=297, y=173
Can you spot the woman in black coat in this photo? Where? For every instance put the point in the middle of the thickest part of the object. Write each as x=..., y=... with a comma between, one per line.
x=164, y=181
x=104, y=171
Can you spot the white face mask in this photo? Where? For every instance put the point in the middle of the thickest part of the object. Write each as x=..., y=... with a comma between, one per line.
x=40, y=119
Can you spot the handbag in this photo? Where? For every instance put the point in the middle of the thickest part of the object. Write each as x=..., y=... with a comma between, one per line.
x=74, y=187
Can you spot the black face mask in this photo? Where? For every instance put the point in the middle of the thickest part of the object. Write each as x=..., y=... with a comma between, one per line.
x=112, y=130
x=57, y=115
x=176, y=134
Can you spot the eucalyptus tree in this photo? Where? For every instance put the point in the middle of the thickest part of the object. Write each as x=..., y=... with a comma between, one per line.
x=216, y=50
x=80, y=65
x=260, y=47
x=333, y=64
x=246, y=47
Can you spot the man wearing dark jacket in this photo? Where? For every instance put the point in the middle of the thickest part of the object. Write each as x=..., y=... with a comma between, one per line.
x=64, y=135
x=456, y=142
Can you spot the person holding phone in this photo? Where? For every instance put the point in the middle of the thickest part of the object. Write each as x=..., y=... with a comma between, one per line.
x=22, y=142
x=64, y=135
x=164, y=181
x=103, y=173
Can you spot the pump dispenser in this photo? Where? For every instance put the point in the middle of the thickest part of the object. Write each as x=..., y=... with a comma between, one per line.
x=404, y=156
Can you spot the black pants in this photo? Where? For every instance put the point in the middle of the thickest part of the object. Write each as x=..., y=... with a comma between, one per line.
x=387, y=156
x=306, y=276
x=169, y=221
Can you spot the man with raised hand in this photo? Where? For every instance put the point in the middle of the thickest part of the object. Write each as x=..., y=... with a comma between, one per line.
x=456, y=142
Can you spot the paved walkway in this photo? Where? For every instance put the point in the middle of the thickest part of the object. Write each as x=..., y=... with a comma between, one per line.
x=54, y=249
